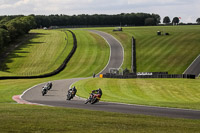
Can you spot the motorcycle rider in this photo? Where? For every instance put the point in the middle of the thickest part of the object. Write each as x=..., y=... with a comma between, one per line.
x=49, y=84
x=44, y=89
x=98, y=91
x=73, y=89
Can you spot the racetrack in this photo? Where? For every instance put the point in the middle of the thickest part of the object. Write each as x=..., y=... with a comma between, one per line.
x=194, y=68
x=57, y=96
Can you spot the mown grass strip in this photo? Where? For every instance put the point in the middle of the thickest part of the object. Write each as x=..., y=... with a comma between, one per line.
x=178, y=93
x=39, y=55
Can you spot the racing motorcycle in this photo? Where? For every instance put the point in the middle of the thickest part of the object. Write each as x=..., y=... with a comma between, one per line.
x=71, y=94
x=94, y=98
x=44, y=90
x=49, y=85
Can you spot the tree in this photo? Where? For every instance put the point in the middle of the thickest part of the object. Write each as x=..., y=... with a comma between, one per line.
x=175, y=20
x=166, y=20
x=150, y=21
x=156, y=18
x=198, y=20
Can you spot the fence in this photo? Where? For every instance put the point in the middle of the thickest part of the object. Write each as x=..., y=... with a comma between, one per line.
x=187, y=76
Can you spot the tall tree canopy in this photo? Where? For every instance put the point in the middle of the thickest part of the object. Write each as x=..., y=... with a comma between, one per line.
x=198, y=20
x=175, y=20
x=166, y=20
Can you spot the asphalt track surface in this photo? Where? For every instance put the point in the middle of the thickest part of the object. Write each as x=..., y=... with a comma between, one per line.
x=194, y=68
x=57, y=95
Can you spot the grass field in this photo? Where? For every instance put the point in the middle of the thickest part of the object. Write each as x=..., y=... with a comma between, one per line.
x=92, y=51
x=26, y=118
x=173, y=53
x=178, y=93
x=43, y=53
x=91, y=56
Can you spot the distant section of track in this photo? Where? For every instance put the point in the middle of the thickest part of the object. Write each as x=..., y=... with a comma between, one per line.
x=194, y=68
x=57, y=96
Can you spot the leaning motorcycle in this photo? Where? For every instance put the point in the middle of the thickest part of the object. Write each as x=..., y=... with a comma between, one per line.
x=94, y=98
x=49, y=85
x=44, y=91
x=70, y=95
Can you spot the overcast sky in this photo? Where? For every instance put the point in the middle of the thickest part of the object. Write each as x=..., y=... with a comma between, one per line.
x=188, y=10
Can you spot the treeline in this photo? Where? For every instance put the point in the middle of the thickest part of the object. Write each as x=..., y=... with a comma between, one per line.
x=12, y=27
x=132, y=19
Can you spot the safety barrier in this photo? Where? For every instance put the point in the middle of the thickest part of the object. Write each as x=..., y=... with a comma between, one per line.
x=58, y=70
x=187, y=76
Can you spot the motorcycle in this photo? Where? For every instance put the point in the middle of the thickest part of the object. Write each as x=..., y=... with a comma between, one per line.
x=94, y=98
x=49, y=85
x=71, y=94
x=44, y=90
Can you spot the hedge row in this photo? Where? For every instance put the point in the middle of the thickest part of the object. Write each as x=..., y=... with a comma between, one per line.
x=58, y=70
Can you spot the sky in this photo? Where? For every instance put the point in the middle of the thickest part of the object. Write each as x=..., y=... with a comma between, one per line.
x=188, y=10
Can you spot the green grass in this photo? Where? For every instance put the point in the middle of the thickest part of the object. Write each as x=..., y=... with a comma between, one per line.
x=91, y=56
x=43, y=53
x=22, y=118
x=19, y=118
x=26, y=118
x=173, y=53
x=47, y=50
x=178, y=93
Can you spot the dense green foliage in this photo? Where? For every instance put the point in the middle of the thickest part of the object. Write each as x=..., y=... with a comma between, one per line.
x=166, y=20
x=198, y=20
x=137, y=19
x=175, y=20
x=13, y=27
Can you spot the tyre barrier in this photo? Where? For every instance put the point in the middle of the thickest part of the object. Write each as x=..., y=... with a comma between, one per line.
x=187, y=76
x=58, y=70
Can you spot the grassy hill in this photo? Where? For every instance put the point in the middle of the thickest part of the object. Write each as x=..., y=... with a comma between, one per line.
x=43, y=53
x=173, y=53
x=91, y=56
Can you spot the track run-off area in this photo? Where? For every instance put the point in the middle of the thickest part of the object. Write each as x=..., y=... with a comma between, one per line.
x=57, y=96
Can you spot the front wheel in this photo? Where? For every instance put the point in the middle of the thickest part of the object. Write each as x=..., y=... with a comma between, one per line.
x=87, y=101
x=69, y=96
x=94, y=100
x=43, y=93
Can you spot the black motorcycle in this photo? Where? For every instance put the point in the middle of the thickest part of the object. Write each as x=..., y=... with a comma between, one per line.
x=49, y=85
x=71, y=94
x=44, y=90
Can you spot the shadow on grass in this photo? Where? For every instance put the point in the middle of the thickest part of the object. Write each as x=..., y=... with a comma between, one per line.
x=15, y=49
